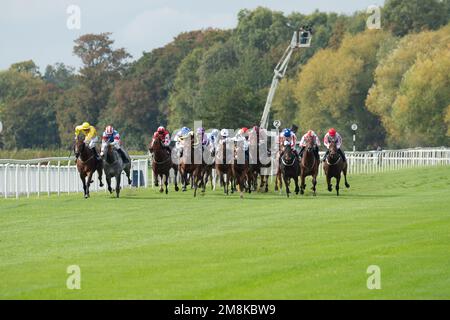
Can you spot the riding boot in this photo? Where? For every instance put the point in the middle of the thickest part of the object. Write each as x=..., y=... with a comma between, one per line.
x=326, y=155
x=342, y=155
x=302, y=149
x=96, y=155
x=123, y=155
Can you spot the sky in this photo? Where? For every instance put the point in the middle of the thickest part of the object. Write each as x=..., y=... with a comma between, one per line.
x=37, y=29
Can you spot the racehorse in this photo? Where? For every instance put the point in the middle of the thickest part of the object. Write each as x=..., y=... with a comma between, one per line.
x=188, y=166
x=289, y=168
x=240, y=170
x=257, y=165
x=224, y=166
x=309, y=166
x=87, y=164
x=113, y=166
x=333, y=166
x=161, y=164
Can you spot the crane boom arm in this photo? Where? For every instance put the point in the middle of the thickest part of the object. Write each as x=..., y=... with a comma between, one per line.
x=280, y=70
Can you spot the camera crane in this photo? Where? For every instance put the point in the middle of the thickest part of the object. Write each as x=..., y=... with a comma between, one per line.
x=301, y=39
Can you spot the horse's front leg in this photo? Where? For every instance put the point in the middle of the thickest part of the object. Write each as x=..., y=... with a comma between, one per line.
x=302, y=184
x=330, y=186
x=286, y=184
x=314, y=183
x=176, y=180
x=347, y=185
x=88, y=184
x=166, y=182
x=297, y=189
x=108, y=182
x=338, y=180
x=100, y=175
x=83, y=180
x=118, y=184
x=161, y=176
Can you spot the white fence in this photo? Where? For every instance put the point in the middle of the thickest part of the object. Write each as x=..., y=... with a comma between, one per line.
x=58, y=175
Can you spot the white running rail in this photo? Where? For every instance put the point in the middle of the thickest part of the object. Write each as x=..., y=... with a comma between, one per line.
x=48, y=176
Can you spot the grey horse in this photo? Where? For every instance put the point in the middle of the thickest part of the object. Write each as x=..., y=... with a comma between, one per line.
x=113, y=165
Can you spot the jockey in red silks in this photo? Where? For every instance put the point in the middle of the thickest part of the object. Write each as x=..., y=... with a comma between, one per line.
x=112, y=137
x=316, y=140
x=332, y=135
x=163, y=135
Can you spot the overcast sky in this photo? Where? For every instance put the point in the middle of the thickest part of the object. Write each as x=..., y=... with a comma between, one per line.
x=37, y=29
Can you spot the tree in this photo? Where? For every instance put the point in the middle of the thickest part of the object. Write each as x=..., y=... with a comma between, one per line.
x=26, y=66
x=332, y=88
x=421, y=106
x=60, y=75
x=390, y=74
x=132, y=112
x=71, y=109
x=102, y=66
x=403, y=17
x=27, y=110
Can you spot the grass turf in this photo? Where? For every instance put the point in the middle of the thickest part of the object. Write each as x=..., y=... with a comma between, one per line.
x=147, y=245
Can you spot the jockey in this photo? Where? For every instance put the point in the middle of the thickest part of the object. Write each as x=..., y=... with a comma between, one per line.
x=242, y=135
x=163, y=135
x=201, y=136
x=213, y=137
x=111, y=136
x=332, y=135
x=179, y=139
x=224, y=136
x=90, y=136
x=288, y=137
x=310, y=135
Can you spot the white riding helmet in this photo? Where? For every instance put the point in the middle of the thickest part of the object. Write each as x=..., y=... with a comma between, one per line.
x=224, y=133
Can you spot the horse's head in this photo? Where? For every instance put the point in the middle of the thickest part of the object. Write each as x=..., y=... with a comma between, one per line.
x=78, y=146
x=309, y=141
x=287, y=154
x=333, y=150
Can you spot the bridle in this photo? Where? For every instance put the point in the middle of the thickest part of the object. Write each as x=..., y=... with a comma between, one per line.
x=336, y=162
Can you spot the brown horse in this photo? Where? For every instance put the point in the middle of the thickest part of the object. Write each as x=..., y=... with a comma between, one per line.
x=309, y=166
x=333, y=166
x=188, y=166
x=161, y=164
x=256, y=165
x=87, y=164
x=240, y=170
x=289, y=168
x=224, y=166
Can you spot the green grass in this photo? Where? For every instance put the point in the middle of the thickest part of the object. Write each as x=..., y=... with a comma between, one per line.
x=152, y=246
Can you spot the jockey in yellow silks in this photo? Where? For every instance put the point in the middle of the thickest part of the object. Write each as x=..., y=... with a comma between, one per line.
x=90, y=136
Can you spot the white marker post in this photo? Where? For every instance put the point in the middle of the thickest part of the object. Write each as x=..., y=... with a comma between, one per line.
x=354, y=128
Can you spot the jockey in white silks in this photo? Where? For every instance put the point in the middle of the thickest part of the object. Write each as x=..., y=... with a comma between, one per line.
x=112, y=137
x=179, y=138
x=316, y=140
x=332, y=135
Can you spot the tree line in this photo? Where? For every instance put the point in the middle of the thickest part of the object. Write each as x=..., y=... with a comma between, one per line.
x=394, y=82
